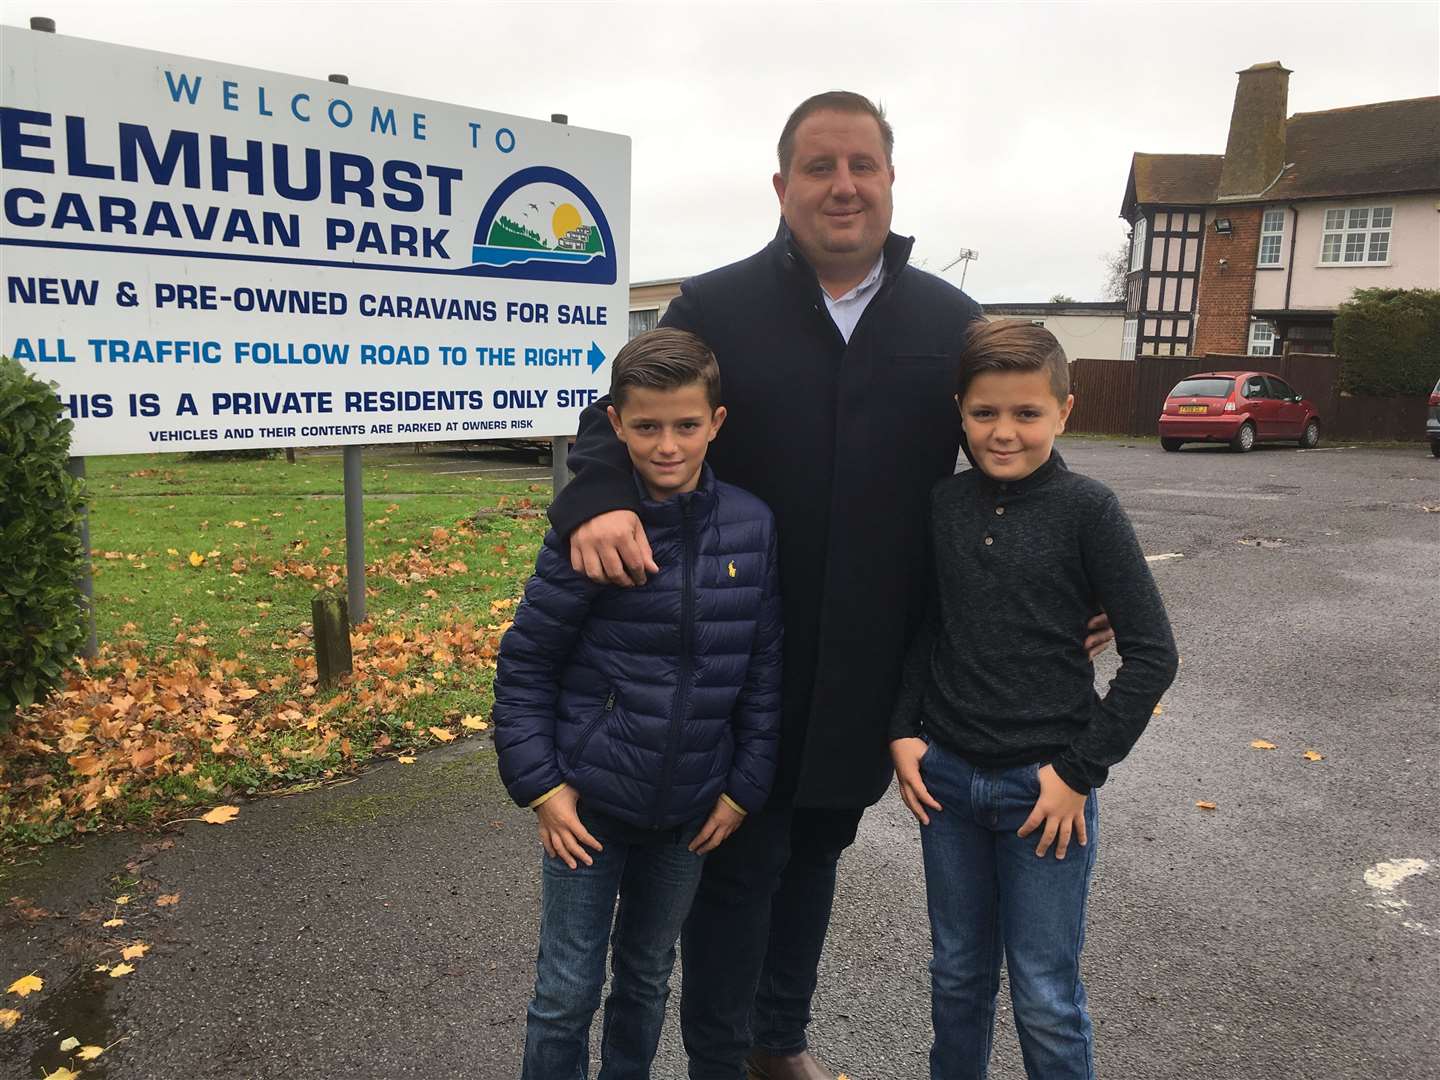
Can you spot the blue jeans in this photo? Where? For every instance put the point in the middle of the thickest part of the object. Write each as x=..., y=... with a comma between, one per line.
x=654, y=875
x=990, y=896
x=753, y=942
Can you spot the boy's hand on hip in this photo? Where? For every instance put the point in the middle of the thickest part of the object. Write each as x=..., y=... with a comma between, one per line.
x=1061, y=810
x=612, y=549
x=561, y=831
x=1100, y=636
x=723, y=821
x=906, y=753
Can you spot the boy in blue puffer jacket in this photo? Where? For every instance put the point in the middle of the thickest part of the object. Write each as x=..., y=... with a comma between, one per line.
x=640, y=724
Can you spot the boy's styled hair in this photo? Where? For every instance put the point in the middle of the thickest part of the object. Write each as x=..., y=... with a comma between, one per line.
x=664, y=359
x=1013, y=345
x=844, y=101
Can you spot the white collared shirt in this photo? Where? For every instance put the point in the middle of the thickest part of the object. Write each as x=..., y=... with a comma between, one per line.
x=847, y=308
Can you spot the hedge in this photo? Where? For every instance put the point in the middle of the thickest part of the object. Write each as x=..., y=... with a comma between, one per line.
x=1388, y=341
x=41, y=621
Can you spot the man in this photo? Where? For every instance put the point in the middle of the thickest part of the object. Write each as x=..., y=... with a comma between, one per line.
x=837, y=362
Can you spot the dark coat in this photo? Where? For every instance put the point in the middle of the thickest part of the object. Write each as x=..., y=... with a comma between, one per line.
x=844, y=444
x=653, y=701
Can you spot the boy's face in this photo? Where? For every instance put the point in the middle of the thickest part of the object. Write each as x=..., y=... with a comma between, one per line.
x=1011, y=419
x=667, y=433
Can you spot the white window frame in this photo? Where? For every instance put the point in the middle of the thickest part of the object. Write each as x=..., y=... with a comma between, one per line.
x=1262, y=338
x=1138, y=240
x=1349, y=236
x=642, y=311
x=1127, y=341
x=1272, y=238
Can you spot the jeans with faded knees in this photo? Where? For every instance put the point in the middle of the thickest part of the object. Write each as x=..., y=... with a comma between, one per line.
x=653, y=875
x=990, y=897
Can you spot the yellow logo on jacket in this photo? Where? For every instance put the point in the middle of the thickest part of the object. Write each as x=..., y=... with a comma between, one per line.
x=731, y=568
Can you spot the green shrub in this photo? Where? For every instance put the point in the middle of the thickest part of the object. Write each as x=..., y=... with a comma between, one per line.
x=1388, y=341
x=41, y=621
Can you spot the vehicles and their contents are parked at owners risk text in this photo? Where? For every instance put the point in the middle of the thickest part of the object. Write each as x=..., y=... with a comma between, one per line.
x=1237, y=407
x=1432, y=422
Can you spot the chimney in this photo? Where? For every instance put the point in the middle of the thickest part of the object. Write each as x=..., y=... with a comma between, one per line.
x=1255, y=151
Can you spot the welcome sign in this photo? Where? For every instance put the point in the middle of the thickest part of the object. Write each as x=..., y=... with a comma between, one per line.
x=204, y=256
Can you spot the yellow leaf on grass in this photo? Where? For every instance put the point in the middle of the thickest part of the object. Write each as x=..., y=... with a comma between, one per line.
x=9, y=1018
x=120, y=970
x=220, y=815
x=443, y=735
x=168, y=900
x=1203, y=805
x=26, y=985
x=406, y=759
x=110, y=924
x=1262, y=744
x=89, y=1053
x=196, y=559
x=474, y=723
x=1314, y=755
x=134, y=952
x=171, y=551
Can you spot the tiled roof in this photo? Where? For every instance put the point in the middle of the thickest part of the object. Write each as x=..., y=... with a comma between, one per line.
x=1392, y=146
x=1172, y=180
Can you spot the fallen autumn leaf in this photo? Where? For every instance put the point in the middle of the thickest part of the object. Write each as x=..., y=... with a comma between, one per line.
x=168, y=900
x=1204, y=805
x=220, y=815
x=120, y=970
x=1262, y=744
x=9, y=1018
x=1314, y=755
x=26, y=985
x=89, y=1053
x=134, y=952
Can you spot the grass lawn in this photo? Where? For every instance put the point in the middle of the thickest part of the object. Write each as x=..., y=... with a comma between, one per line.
x=204, y=575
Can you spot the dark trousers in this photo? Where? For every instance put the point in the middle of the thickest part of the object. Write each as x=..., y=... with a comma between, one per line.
x=752, y=943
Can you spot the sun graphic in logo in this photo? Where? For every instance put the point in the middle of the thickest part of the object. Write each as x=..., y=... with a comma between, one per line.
x=565, y=220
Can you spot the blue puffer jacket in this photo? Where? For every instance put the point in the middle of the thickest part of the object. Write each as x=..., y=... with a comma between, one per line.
x=650, y=701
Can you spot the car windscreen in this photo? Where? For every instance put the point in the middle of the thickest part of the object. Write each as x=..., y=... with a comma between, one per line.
x=1203, y=388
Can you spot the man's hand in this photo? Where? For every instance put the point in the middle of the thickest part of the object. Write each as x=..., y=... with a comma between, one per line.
x=612, y=549
x=723, y=821
x=1096, y=643
x=906, y=753
x=1061, y=810
x=561, y=832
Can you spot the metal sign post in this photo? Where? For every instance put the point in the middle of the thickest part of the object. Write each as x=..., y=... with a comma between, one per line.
x=559, y=444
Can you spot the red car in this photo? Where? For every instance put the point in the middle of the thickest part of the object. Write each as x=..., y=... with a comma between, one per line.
x=1237, y=407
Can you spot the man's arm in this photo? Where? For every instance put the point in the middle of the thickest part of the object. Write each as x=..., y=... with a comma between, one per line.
x=1126, y=589
x=527, y=675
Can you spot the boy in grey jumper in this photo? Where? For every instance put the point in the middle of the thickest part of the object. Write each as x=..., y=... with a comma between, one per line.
x=999, y=738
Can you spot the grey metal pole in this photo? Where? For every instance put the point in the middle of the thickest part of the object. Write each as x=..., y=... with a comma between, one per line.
x=354, y=512
x=559, y=444
x=354, y=535
x=85, y=582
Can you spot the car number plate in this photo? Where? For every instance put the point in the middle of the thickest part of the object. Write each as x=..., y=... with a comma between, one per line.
x=1194, y=408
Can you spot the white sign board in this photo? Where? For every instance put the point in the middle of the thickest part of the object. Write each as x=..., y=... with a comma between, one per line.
x=209, y=257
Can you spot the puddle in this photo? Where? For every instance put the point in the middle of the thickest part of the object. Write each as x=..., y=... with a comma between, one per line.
x=77, y=1008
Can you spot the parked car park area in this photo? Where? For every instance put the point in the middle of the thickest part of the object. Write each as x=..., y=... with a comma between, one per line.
x=1239, y=408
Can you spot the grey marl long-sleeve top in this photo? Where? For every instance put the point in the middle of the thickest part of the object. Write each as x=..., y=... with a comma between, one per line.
x=998, y=673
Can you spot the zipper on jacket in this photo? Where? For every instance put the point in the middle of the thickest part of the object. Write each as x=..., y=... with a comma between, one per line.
x=592, y=727
x=682, y=681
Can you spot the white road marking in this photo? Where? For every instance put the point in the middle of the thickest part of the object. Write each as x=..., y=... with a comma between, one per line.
x=1166, y=557
x=1197, y=493
x=1385, y=877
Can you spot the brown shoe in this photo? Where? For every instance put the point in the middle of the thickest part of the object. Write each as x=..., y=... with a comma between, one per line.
x=762, y=1066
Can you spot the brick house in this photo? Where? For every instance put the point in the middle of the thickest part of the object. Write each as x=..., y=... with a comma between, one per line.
x=1252, y=251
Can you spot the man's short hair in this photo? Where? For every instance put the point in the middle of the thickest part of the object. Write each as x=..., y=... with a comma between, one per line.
x=664, y=359
x=844, y=101
x=1013, y=345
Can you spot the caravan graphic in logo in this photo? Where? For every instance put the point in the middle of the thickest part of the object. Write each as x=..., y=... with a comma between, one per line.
x=542, y=224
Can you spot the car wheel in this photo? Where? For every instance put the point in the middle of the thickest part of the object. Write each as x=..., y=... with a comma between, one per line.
x=1171, y=444
x=1244, y=440
x=1310, y=437
x=1435, y=447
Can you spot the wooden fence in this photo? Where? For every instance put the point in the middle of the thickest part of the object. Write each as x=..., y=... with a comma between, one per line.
x=1124, y=397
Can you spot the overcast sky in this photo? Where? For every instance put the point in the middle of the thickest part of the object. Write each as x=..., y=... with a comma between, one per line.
x=1014, y=122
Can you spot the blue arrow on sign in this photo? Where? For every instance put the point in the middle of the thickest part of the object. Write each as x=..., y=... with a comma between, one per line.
x=596, y=357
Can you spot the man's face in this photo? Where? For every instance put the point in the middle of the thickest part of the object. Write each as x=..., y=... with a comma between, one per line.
x=1011, y=420
x=836, y=196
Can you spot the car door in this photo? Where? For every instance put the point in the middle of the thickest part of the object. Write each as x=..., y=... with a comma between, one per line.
x=1289, y=412
x=1259, y=404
